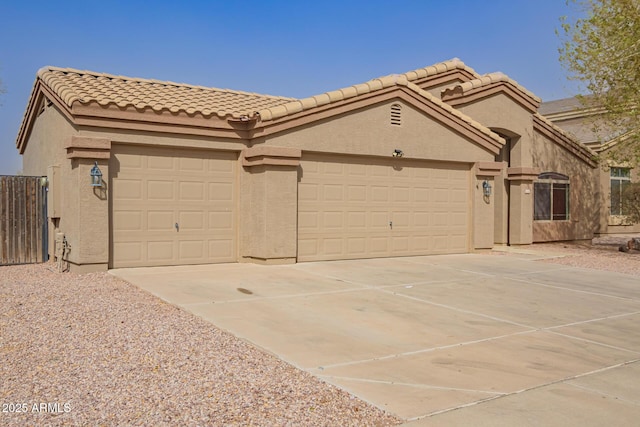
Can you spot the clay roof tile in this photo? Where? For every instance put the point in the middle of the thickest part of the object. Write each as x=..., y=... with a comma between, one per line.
x=72, y=86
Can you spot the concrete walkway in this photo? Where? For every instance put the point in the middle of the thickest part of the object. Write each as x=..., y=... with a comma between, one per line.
x=439, y=340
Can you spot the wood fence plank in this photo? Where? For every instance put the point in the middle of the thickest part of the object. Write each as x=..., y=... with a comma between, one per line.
x=22, y=220
x=3, y=221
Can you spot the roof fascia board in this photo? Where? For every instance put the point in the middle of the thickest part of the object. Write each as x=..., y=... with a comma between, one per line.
x=28, y=118
x=554, y=134
x=94, y=115
x=574, y=114
x=457, y=97
x=39, y=92
x=113, y=112
x=394, y=92
x=159, y=127
x=617, y=140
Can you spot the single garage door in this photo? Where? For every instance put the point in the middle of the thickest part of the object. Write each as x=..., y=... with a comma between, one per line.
x=172, y=206
x=381, y=207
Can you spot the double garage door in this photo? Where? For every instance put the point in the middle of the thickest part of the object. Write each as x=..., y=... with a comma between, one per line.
x=172, y=206
x=381, y=207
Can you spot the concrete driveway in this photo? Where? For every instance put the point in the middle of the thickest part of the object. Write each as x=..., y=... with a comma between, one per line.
x=438, y=340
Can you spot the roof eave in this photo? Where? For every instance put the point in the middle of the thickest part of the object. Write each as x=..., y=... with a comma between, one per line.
x=457, y=96
x=553, y=132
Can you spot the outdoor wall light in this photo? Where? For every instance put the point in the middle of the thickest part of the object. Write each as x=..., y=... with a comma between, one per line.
x=397, y=153
x=96, y=176
x=486, y=188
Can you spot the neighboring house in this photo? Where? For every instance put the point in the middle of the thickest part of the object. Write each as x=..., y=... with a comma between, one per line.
x=572, y=116
x=434, y=161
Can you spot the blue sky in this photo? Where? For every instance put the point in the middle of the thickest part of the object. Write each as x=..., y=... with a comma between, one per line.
x=288, y=48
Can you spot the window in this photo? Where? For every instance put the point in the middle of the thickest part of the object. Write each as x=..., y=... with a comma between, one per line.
x=620, y=178
x=551, y=197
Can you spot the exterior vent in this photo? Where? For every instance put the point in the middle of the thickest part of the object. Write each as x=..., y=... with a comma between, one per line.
x=396, y=114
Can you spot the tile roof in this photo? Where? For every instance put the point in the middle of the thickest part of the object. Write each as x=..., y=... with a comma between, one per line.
x=560, y=106
x=73, y=86
x=442, y=67
x=299, y=105
x=489, y=79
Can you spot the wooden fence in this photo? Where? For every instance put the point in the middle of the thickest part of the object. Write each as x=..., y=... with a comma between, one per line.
x=23, y=220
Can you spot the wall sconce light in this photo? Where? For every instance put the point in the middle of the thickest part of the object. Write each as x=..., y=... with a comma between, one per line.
x=486, y=188
x=397, y=153
x=96, y=176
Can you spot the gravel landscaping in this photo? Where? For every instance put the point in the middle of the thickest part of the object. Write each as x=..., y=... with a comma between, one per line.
x=94, y=350
x=601, y=254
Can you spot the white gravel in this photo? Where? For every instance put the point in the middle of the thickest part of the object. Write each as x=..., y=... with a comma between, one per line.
x=94, y=350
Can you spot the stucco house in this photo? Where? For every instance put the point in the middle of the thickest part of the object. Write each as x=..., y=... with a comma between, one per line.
x=437, y=160
x=583, y=123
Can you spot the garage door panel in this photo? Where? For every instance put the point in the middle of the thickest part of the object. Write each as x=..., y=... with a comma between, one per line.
x=221, y=220
x=190, y=191
x=128, y=252
x=380, y=220
x=380, y=194
x=427, y=204
x=401, y=194
x=162, y=163
x=191, y=249
x=357, y=220
x=332, y=246
x=128, y=220
x=357, y=246
x=192, y=164
x=400, y=244
x=160, y=190
x=153, y=189
x=192, y=221
x=308, y=192
x=128, y=188
x=160, y=251
x=379, y=245
x=160, y=220
x=221, y=191
x=221, y=249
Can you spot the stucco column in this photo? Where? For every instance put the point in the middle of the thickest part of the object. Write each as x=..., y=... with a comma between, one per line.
x=269, y=204
x=86, y=208
x=521, y=205
x=483, y=205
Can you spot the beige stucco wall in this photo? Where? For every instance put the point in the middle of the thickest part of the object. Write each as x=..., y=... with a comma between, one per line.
x=584, y=193
x=82, y=215
x=368, y=132
x=45, y=147
x=513, y=198
x=483, y=214
x=48, y=136
x=499, y=112
x=269, y=214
